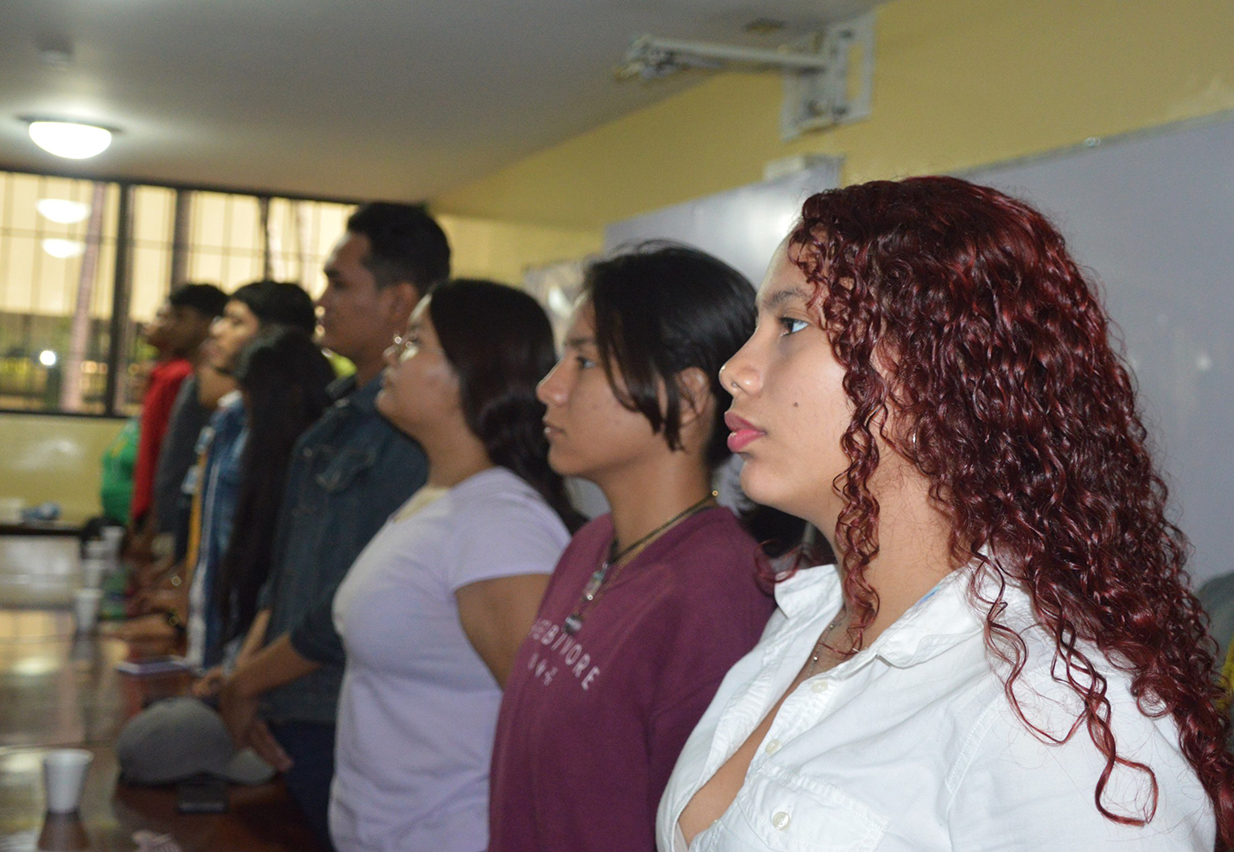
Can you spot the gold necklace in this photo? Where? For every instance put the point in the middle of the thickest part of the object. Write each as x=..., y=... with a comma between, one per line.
x=574, y=621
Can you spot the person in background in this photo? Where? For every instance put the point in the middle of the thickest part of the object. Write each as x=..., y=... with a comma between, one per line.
x=258, y=308
x=650, y=604
x=182, y=324
x=116, y=480
x=436, y=606
x=283, y=381
x=1006, y=655
x=252, y=309
x=188, y=416
x=349, y=472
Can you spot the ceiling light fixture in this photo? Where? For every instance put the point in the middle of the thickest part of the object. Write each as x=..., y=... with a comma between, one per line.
x=62, y=211
x=63, y=249
x=70, y=139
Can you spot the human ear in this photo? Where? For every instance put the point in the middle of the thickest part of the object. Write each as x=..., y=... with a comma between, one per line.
x=694, y=387
x=402, y=298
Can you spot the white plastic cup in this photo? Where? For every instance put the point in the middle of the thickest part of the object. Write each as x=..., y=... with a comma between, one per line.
x=93, y=568
x=86, y=608
x=114, y=536
x=64, y=777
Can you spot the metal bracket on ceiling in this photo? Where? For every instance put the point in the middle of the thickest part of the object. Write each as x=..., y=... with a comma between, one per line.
x=828, y=76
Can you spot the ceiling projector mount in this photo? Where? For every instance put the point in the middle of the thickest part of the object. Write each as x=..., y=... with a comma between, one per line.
x=827, y=76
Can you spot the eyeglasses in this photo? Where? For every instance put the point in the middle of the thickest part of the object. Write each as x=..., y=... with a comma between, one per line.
x=404, y=346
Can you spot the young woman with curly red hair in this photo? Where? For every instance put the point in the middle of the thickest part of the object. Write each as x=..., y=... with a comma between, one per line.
x=1006, y=655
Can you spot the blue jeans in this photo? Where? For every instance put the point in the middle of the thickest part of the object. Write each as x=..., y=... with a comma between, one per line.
x=310, y=745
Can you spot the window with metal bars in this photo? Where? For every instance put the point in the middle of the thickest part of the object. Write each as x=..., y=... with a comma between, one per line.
x=70, y=338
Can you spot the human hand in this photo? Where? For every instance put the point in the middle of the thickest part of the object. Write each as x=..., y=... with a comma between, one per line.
x=208, y=685
x=147, y=628
x=267, y=747
x=239, y=714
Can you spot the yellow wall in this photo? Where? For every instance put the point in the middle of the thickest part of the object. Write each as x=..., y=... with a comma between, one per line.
x=54, y=458
x=503, y=251
x=958, y=83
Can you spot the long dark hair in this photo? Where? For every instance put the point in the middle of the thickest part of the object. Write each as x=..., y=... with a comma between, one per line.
x=284, y=377
x=500, y=343
x=662, y=308
x=975, y=347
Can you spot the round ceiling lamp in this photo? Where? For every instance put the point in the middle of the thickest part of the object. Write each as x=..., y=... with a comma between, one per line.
x=70, y=139
x=63, y=249
x=62, y=211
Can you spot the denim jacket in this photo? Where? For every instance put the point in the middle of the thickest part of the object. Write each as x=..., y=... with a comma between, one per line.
x=221, y=445
x=349, y=472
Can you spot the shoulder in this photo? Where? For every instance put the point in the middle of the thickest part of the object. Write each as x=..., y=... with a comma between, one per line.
x=593, y=534
x=498, y=495
x=1036, y=758
x=713, y=553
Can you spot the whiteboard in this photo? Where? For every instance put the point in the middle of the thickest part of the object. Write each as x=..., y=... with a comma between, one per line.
x=1151, y=218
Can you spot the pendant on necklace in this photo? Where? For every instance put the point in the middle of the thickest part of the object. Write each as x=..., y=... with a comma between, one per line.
x=572, y=624
x=594, y=584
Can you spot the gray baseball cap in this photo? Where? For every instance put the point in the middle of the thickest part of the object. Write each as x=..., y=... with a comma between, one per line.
x=178, y=738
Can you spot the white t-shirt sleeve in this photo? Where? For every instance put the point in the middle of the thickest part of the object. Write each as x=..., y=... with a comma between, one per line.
x=505, y=533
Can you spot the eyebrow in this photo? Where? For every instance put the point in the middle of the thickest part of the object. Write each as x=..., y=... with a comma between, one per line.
x=779, y=297
x=577, y=342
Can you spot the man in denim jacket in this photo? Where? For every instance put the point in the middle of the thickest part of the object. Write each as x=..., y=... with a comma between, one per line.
x=349, y=472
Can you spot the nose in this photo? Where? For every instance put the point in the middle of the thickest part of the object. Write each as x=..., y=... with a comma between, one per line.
x=552, y=389
x=739, y=373
x=390, y=355
x=216, y=326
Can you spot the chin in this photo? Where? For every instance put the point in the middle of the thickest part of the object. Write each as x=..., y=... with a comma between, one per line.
x=762, y=489
x=561, y=464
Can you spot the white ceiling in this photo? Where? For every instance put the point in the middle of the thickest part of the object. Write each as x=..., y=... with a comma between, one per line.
x=360, y=99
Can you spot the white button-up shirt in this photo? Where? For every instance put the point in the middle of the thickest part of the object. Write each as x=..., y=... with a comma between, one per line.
x=912, y=744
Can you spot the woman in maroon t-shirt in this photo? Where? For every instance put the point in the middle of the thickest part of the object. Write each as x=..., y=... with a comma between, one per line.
x=651, y=604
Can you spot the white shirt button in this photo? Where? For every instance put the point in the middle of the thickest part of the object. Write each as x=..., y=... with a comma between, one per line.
x=819, y=686
x=772, y=747
x=780, y=820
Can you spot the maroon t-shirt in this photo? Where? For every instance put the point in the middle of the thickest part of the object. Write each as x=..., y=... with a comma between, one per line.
x=591, y=724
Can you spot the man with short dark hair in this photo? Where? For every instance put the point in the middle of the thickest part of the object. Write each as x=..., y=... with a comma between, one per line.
x=350, y=471
x=181, y=325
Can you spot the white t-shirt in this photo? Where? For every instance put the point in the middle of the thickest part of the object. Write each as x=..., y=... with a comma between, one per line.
x=418, y=707
x=912, y=744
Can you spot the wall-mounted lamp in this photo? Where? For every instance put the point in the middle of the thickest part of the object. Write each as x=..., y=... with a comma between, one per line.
x=70, y=139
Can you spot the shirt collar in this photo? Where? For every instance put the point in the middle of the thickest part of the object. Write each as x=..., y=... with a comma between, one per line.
x=347, y=392
x=944, y=617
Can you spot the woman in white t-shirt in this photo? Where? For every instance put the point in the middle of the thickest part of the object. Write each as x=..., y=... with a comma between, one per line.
x=1006, y=656
x=435, y=607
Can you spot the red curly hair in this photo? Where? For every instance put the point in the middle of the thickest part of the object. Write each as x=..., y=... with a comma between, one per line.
x=973, y=345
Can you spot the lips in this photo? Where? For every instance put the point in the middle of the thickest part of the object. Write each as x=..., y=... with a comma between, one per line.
x=743, y=432
x=551, y=431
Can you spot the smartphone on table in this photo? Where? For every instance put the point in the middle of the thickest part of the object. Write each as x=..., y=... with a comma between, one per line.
x=201, y=794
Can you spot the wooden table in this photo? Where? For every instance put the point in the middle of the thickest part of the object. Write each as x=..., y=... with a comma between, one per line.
x=58, y=690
